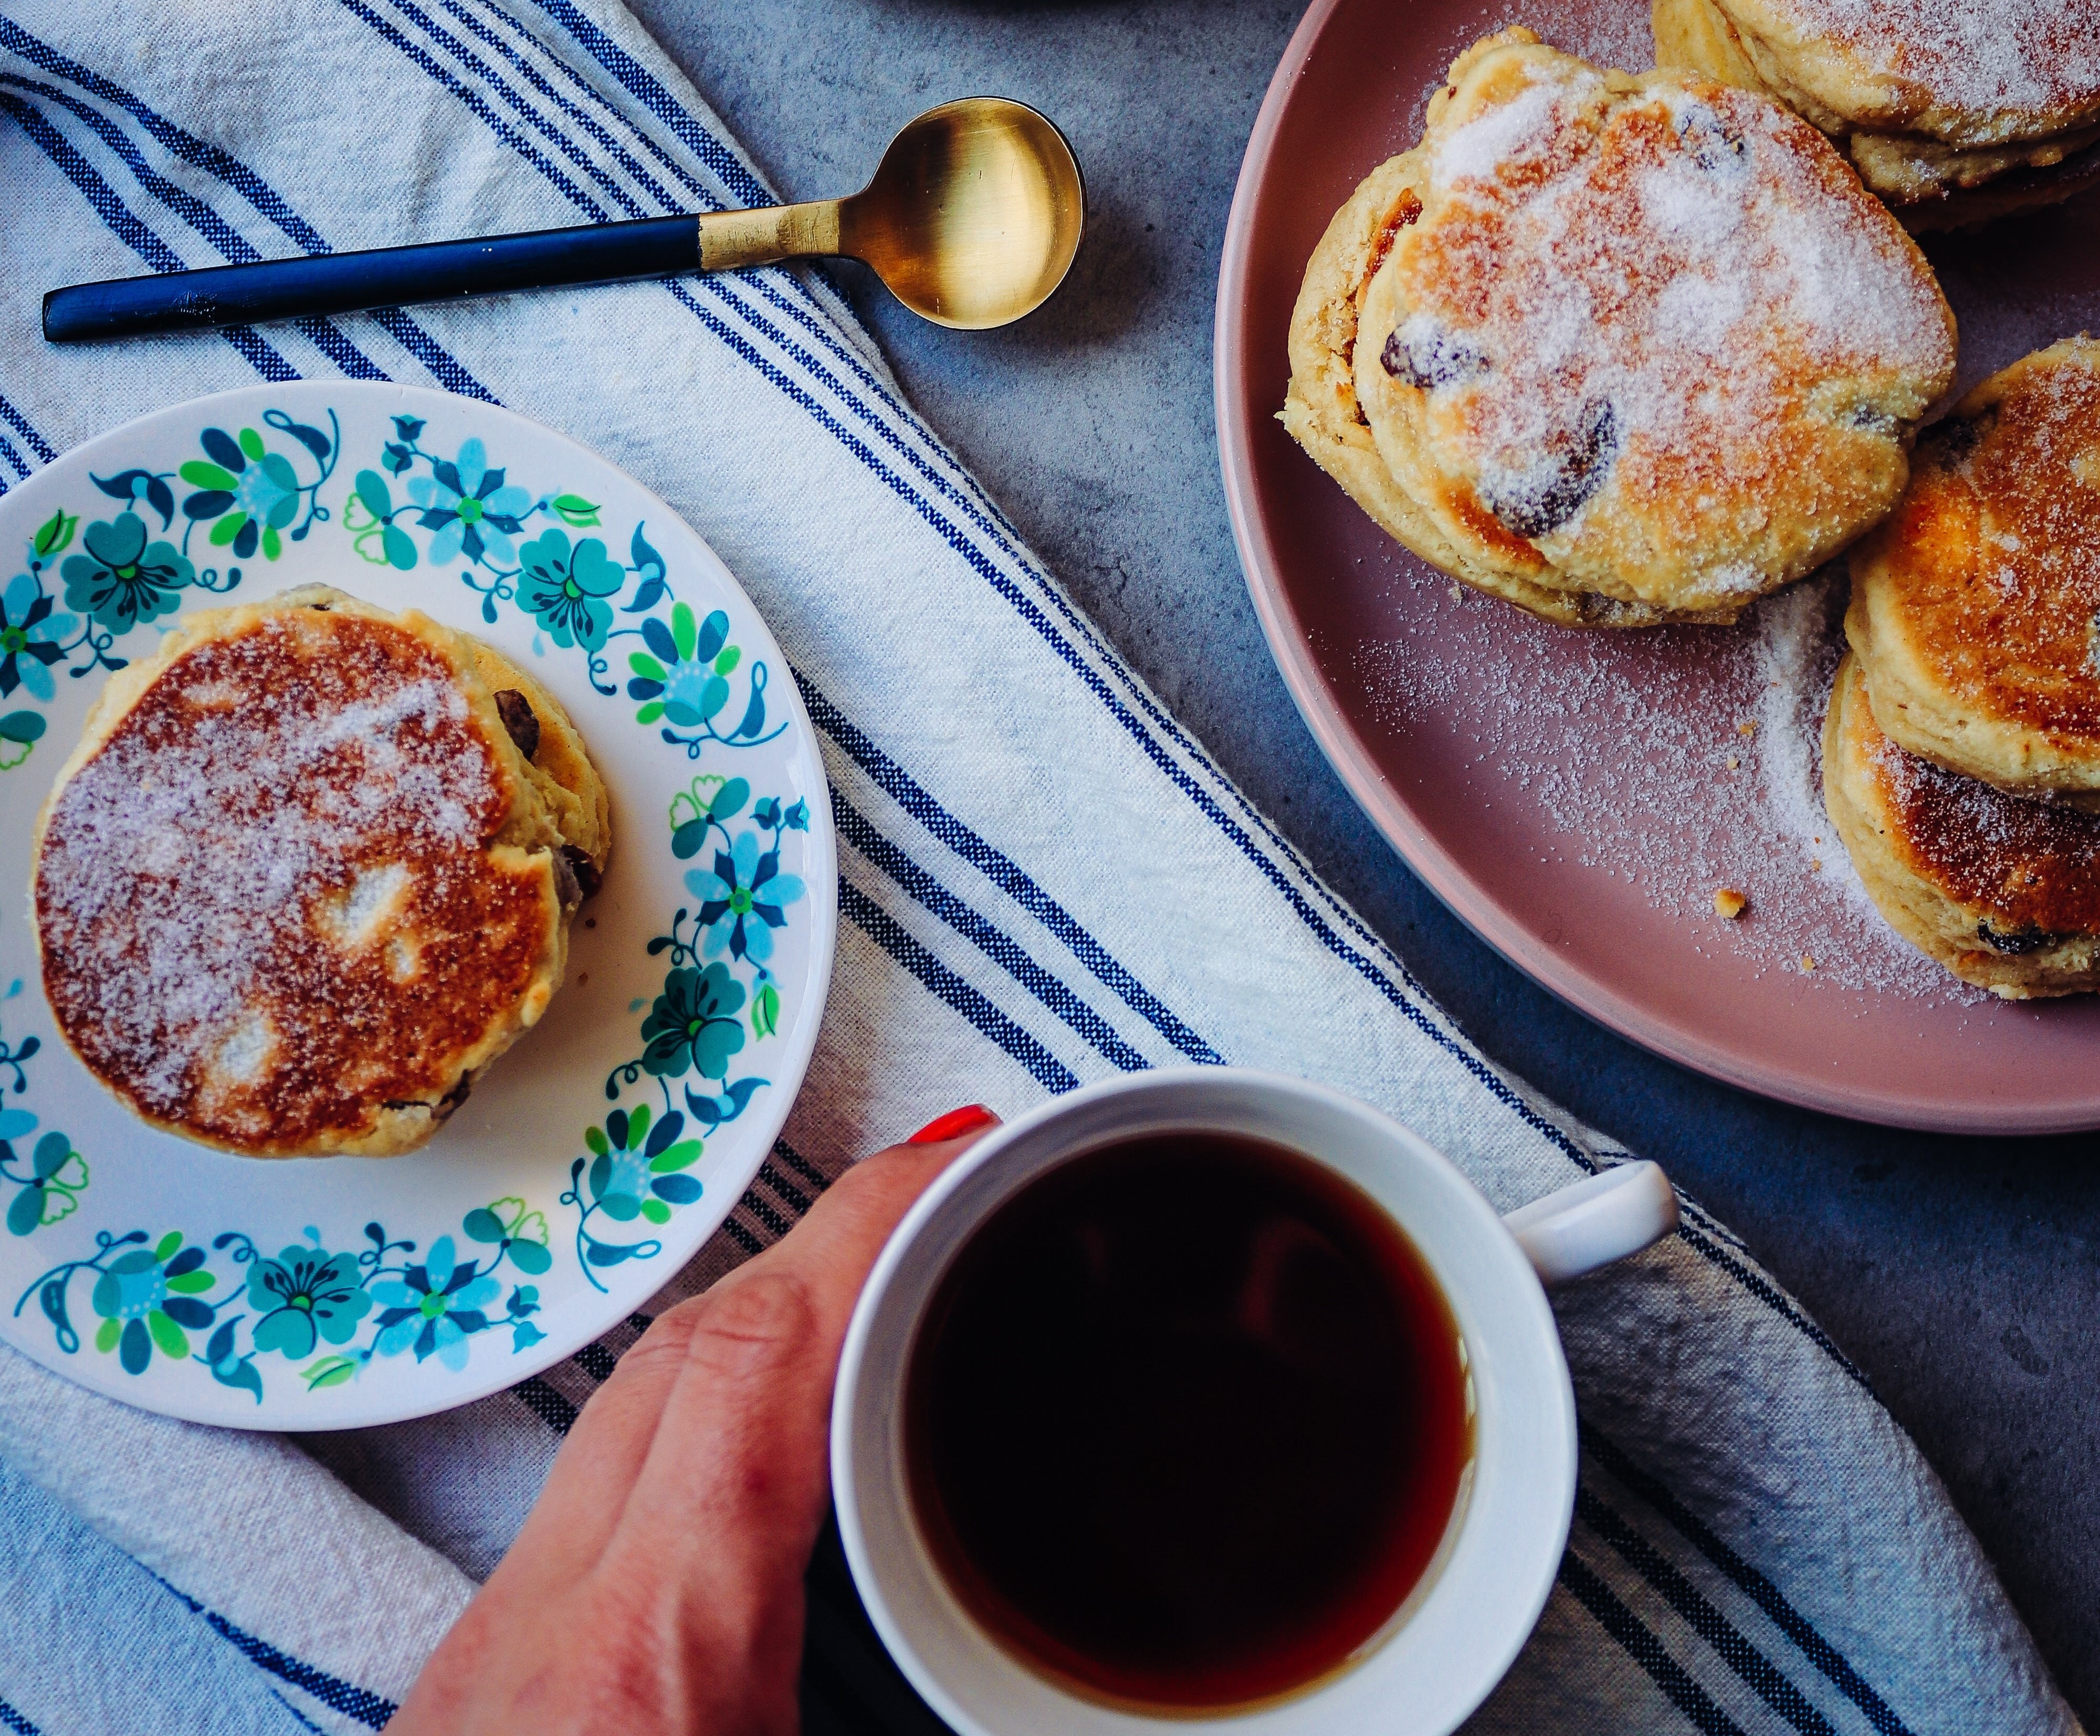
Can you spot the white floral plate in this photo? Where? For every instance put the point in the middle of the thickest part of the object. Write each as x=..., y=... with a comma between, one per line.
x=602, y=1151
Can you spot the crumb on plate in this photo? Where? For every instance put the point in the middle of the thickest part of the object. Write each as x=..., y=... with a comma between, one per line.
x=1729, y=904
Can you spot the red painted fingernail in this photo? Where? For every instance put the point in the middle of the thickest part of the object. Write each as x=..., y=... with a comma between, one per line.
x=953, y=1125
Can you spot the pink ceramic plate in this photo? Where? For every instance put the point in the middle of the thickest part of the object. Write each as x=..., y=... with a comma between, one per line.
x=1577, y=798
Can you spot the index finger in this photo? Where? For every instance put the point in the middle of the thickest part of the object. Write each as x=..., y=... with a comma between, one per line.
x=747, y=1412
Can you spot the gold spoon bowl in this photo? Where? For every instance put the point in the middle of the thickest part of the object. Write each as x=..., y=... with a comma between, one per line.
x=972, y=218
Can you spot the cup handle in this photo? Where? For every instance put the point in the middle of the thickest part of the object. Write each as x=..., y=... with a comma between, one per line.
x=1601, y=1218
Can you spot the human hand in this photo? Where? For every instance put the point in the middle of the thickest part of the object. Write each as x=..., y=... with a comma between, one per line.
x=656, y=1589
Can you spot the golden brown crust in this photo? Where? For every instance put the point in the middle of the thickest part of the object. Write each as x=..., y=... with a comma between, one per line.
x=2003, y=892
x=1698, y=36
x=296, y=886
x=1975, y=608
x=2009, y=194
x=1649, y=336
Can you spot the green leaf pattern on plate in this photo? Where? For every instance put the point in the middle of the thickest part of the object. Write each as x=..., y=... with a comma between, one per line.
x=48, y=1176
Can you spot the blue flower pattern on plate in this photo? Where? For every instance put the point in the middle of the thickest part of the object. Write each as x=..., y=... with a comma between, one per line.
x=33, y=637
x=304, y=1294
x=431, y=1308
x=744, y=899
x=472, y=508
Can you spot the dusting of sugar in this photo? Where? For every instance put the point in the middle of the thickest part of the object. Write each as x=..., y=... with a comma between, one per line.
x=1631, y=748
x=1798, y=643
x=204, y=812
x=373, y=896
x=2030, y=56
x=243, y=1055
x=1511, y=133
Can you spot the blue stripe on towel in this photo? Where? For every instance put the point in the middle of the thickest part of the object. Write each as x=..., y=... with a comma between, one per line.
x=129, y=229
x=20, y=424
x=97, y=1642
x=1760, y=1590
x=776, y=1223
x=1729, y=1642
x=582, y=162
x=769, y=1174
x=1699, y=1706
x=231, y=244
x=12, y=1720
x=243, y=180
x=640, y=85
x=425, y=349
x=193, y=150
x=369, y=1709
x=635, y=171
x=1002, y=949
x=545, y=1404
x=475, y=105
x=554, y=135
x=1002, y=870
x=1767, y=1293
x=305, y=1722
x=965, y=998
x=801, y=1166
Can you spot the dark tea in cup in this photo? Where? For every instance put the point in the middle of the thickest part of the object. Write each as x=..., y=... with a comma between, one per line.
x=1187, y=1421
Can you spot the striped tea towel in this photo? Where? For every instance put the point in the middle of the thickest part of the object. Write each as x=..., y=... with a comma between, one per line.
x=1044, y=879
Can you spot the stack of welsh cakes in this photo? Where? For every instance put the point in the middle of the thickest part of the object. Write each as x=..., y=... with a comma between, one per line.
x=1633, y=349
x=1961, y=751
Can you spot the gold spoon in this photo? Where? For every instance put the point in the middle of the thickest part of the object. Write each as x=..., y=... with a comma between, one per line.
x=972, y=220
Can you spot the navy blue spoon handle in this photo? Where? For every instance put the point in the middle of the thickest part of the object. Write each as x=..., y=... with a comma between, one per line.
x=344, y=282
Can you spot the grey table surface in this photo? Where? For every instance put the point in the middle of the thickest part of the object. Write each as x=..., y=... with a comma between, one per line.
x=1962, y=1275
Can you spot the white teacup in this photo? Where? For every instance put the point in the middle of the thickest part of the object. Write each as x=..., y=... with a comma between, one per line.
x=1426, y=1669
